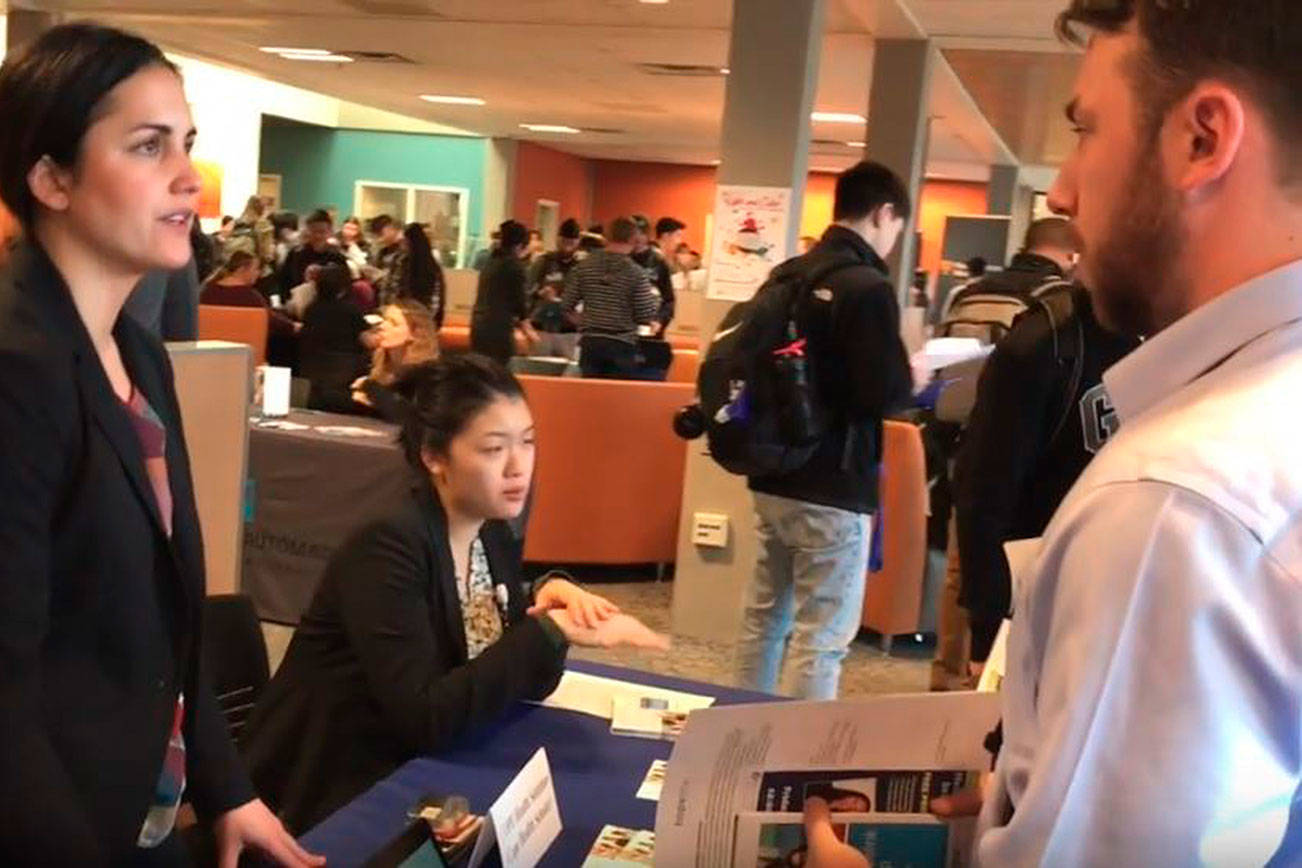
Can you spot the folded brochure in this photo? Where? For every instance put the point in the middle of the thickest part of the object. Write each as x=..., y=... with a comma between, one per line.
x=616, y=847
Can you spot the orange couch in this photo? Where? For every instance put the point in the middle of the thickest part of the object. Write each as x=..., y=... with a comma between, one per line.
x=609, y=478
x=241, y=325
x=893, y=599
x=685, y=366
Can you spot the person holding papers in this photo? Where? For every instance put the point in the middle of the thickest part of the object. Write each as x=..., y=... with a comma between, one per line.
x=421, y=630
x=1151, y=704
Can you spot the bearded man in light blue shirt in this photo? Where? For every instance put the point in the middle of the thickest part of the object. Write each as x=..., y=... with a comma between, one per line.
x=1153, y=699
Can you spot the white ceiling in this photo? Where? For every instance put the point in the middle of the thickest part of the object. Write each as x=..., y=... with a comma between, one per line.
x=575, y=62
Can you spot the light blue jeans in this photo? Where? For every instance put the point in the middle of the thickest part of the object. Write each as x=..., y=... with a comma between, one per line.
x=806, y=597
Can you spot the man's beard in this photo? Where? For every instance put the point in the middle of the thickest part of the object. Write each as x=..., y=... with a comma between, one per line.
x=1137, y=266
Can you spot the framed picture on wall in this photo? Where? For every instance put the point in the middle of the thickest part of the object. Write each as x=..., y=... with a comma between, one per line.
x=442, y=210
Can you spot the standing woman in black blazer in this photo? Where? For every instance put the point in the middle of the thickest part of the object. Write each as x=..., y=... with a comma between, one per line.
x=106, y=721
x=421, y=630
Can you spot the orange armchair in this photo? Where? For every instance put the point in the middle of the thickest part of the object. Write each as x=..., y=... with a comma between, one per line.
x=893, y=598
x=609, y=479
x=240, y=325
x=685, y=366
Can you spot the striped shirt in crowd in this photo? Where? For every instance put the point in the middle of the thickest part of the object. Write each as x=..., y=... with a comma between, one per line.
x=615, y=293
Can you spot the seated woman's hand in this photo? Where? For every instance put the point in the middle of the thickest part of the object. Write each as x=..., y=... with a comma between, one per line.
x=587, y=609
x=616, y=630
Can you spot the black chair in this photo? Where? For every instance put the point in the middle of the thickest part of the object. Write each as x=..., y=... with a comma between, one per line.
x=235, y=655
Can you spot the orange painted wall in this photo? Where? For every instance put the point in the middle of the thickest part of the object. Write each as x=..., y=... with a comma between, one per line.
x=687, y=192
x=542, y=173
x=656, y=190
x=942, y=199
x=8, y=231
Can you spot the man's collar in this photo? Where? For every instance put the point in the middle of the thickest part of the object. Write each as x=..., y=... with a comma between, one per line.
x=1203, y=339
x=843, y=237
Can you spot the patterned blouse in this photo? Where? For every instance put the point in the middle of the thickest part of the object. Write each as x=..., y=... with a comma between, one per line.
x=480, y=611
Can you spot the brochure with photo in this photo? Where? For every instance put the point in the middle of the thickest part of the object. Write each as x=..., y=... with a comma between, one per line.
x=648, y=717
x=617, y=847
x=777, y=840
x=862, y=790
x=653, y=782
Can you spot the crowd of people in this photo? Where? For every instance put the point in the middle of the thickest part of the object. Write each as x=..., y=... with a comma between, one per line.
x=320, y=286
x=1136, y=412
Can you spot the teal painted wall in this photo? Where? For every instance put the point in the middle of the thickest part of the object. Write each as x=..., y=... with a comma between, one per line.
x=319, y=166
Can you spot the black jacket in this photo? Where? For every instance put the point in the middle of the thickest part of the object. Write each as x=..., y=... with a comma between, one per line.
x=99, y=609
x=294, y=271
x=501, y=303
x=1011, y=474
x=861, y=369
x=330, y=353
x=652, y=261
x=377, y=672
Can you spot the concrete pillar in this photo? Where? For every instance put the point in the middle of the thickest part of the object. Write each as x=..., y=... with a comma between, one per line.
x=898, y=130
x=499, y=189
x=21, y=26
x=1003, y=190
x=774, y=69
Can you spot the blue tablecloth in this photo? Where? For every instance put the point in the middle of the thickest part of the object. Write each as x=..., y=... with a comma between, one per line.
x=596, y=776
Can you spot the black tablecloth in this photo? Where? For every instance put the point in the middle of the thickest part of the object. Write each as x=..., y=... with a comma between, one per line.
x=313, y=479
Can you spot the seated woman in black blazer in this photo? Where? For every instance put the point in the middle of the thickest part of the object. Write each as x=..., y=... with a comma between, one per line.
x=421, y=629
x=107, y=718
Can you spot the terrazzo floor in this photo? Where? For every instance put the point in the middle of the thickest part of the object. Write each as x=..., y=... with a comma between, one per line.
x=866, y=671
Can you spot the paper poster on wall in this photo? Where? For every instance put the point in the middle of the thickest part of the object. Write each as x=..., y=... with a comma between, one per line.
x=749, y=238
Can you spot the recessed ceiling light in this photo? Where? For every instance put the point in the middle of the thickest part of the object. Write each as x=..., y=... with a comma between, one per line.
x=838, y=118
x=550, y=128
x=828, y=169
x=654, y=2
x=723, y=70
x=320, y=58
x=856, y=144
x=451, y=100
x=272, y=49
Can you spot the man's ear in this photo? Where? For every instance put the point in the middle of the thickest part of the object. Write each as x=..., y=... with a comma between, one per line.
x=433, y=462
x=50, y=184
x=883, y=216
x=1206, y=132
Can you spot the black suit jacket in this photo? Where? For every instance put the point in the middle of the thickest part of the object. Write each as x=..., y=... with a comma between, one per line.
x=378, y=671
x=99, y=609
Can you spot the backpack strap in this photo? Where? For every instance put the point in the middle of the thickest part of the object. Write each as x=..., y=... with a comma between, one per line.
x=1057, y=300
x=814, y=279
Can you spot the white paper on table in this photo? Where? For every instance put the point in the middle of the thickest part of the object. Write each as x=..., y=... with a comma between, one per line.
x=719, y=762
x=592, y=694
x=653, y=782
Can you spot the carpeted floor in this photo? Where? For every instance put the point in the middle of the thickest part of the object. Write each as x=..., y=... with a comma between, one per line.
x=866, y=671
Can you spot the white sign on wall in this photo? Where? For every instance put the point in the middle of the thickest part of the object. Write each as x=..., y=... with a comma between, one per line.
x=749, y=238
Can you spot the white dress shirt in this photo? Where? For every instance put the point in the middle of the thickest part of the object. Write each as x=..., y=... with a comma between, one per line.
x=1153, y=700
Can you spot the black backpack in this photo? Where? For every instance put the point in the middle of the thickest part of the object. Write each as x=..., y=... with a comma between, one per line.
x=989, y=316
x=763, y=413
x=1058, y=303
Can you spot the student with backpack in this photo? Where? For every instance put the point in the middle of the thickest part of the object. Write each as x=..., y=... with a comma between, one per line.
x=1035, y=416
x=794, y=389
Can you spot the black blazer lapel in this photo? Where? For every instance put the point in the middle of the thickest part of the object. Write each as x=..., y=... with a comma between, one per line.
x=149, y=374
x=43, y=283
x=445, y=580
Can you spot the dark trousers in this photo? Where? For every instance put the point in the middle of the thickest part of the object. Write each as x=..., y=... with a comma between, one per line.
x=608, y=358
